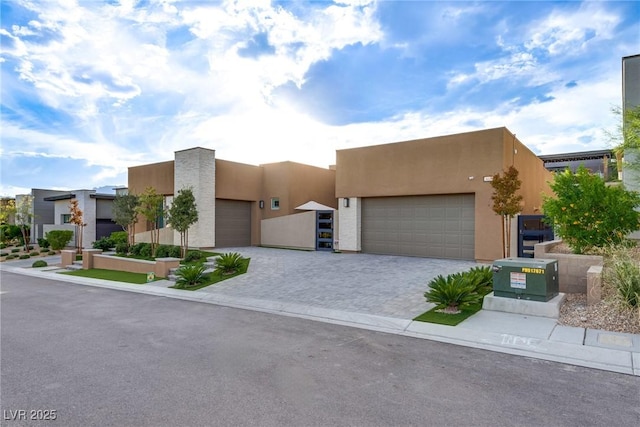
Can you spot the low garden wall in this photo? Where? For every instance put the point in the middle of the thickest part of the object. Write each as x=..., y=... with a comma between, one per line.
x=94, y=258
x=572, y=268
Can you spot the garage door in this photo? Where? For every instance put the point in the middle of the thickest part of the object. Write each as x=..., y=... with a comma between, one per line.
x=424, y=226
x=233, y=223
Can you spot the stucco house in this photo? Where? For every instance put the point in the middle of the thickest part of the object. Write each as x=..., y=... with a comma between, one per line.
x=429, y=197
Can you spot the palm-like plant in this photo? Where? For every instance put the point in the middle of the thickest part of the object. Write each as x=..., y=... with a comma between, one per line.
x=452, y=294
x=228, y=263
x=190, y=275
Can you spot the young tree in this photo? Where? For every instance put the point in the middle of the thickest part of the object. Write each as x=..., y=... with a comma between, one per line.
x=150, y=207
x=7, y=210
x=626, y=138
x=183, y=213
x=125, y=214
x=587, y=213
x=77, y=220
x=506, y=202
x=24, y=216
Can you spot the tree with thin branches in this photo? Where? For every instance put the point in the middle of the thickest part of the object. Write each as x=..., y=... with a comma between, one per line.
x=150, y=207
x=506, y=202
x=24, y=216
x=183, y=213
x=77, y=220
x=125, y=214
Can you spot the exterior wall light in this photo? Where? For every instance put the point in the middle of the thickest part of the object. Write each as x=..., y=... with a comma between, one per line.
x=345, y=202
x=261, y=204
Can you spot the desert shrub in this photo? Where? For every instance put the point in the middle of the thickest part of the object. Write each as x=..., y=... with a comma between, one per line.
x=190, y=275
x=104, y=243
x=3, y=245
x=12, y=256
x=34, y=253
x=9, y=232
x=587, y=213
x=43, y=243
x=122, y=248
x=14, y=250
x=228, y=263
x=622, y=273
x=145, y=251
x=44, y=252
x=25, y=256
x=119, y=237
x=164, y=251
x=59, y=238
x=452, y=294
x=4, y=254
x=194, y=256
x=137, y=248
x=39, y=263
x=51, y=253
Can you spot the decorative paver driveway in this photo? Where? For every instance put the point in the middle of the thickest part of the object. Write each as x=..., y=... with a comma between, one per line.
x=375, y=284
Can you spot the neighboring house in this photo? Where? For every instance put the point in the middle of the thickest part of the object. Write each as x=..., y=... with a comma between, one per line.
x=429, y=197
x=42, y=210
x=238, y=203
x=97, y=214
x=432, y=197
x=597, y=161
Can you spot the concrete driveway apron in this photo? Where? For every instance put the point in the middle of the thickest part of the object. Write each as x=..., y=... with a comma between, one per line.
x=374, y=284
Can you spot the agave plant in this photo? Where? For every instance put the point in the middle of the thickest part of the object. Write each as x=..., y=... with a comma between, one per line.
x=452, y=294
x=190, y=275
x=228, y=263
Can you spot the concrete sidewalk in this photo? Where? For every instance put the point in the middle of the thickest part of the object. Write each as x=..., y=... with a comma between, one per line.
x=530, y=336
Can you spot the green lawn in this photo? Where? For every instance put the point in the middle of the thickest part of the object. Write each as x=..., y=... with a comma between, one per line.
x=116, y=276
x=433, y=316
x=215, y=277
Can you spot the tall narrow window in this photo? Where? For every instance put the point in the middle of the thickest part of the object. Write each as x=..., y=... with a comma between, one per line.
x=66, y=218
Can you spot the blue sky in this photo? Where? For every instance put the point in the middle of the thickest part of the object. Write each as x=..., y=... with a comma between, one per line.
x=90, y=88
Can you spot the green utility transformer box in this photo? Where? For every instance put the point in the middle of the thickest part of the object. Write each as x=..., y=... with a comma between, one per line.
x=525, y=278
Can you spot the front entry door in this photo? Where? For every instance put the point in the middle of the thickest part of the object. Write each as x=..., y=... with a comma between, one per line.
x=324, y=230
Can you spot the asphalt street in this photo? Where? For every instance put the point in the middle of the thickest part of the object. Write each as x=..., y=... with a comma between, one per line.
x=100, y=357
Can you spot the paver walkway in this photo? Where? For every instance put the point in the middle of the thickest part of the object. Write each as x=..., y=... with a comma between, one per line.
x=375, y=284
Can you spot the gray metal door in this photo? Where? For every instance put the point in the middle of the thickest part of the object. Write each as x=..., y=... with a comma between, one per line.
x=233, y=223
x=439, y=226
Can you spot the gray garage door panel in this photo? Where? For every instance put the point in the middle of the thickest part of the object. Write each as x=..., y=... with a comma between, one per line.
x=233, y=223
x=425, y=226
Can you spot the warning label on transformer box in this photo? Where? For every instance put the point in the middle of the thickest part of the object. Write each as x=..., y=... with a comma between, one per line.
x=518, y=280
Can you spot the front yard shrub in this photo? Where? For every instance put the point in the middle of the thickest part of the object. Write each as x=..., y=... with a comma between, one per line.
x=14, y=250
x=34, y=253
x=138, y=248
x=43, y=243
x=452, y=294
x=228, y=263
x=3, y=254
x=119, y=237
x=586, y=213
x=122, y=248
x=190, y=275
x=623, y=274
x=3, y=245
x=51, y=253
x=12, y=256
x=44, y=252
x=145, y=251
x=39, y=263
x=25, y=256
x=194, y=256
x=59, y=238
x=104, y=243
x=164, y=251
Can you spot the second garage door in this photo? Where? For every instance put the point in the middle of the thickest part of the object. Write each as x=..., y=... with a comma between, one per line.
x=233, y=223
x=426, y=226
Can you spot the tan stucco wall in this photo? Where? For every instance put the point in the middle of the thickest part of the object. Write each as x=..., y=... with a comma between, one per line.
x=156, y=175
x=295, y=184
x=290, y=231
x=452, y=164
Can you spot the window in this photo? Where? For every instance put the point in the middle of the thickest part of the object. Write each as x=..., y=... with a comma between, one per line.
x=275, y=203
x=66, y=218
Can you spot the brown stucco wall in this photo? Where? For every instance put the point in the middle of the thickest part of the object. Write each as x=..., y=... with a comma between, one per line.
x=156, y=175
x=451, y=164
x=295, y=184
